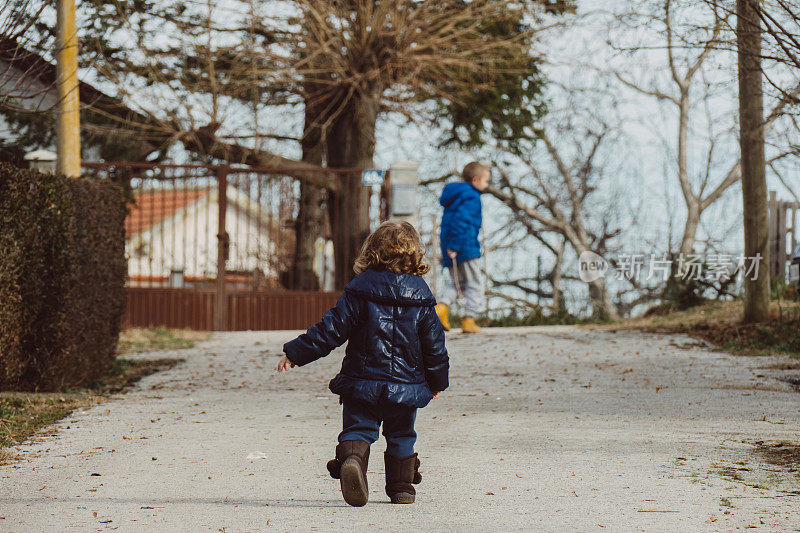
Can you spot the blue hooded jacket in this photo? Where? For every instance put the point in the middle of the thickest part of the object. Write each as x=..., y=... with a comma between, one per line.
x=396, y=352
x=461, y=222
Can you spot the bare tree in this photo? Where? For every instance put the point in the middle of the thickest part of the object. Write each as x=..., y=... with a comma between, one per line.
x=344, y=63
x=553, y=194
x=689, y=48
x=780, y=24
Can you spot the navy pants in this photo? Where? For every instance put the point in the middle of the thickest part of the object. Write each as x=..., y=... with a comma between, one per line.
x=361, y=420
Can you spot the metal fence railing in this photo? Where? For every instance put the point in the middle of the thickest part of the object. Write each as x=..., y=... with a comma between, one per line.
x=205, y=242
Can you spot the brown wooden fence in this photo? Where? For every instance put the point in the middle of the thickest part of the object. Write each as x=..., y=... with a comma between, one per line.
x=246, y=310
x=782, y=233
x=277, y=310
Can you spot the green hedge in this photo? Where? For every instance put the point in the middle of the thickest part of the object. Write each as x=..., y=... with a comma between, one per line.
x=62, y=276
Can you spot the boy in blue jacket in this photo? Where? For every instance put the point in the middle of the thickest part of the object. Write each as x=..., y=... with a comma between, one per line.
x=395, y=361
x=461, y=224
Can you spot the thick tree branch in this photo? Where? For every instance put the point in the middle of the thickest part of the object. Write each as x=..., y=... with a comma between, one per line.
x=204, y=141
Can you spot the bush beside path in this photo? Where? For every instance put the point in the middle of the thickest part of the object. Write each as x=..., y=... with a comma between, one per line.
x=546, y=428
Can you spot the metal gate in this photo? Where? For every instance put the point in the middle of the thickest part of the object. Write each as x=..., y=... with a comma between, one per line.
x=189, y=223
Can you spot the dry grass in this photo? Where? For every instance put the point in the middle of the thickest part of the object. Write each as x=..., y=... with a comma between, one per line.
x=720, y=323
x=24, y=414
x=7, y=457
x=136, y=340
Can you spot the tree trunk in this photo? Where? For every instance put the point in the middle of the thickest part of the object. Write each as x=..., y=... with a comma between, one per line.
x=693, y=214
x=751, y=140
x=310, y=219
x=693, y=211
x=310, y=215
x=558, y=302
x=351, y=144
x=602, y=305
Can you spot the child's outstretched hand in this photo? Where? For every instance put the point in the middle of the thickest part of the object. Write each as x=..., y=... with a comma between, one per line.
x=284, y=364
x=436, y=394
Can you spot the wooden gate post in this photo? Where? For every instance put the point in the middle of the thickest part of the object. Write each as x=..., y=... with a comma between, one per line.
x=772, y=233
x=223, y=245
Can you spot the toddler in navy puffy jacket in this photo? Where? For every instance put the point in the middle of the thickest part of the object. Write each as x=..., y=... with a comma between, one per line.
x=395, y=361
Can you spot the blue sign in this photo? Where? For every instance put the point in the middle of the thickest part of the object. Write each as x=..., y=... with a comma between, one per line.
x=372, y=176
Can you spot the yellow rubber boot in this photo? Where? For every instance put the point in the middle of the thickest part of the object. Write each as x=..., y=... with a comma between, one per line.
x=442, y=312
x=468, y=325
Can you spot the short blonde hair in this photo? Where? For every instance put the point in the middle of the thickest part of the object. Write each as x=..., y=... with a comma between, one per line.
x=394, y=246
x=473, y=170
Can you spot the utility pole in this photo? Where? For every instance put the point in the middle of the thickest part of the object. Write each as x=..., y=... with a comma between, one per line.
x=68, y=142
x=751, y=142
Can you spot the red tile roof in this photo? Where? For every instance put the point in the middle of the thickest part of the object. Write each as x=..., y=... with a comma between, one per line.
x=152, y=207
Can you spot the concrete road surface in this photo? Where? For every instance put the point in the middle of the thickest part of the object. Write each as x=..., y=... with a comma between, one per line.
x=542, y=429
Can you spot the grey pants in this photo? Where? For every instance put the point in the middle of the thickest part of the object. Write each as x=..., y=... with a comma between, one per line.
x=471, y=281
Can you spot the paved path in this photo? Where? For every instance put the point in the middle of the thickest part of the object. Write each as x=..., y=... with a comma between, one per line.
x=545, y=429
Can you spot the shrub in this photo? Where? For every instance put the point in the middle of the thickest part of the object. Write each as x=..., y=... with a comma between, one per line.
x=62, y=276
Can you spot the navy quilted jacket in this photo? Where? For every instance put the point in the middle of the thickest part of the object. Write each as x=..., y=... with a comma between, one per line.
x=396, y=351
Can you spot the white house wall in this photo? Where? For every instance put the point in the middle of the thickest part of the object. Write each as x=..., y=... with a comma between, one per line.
x=188, y=241
x=28, y=92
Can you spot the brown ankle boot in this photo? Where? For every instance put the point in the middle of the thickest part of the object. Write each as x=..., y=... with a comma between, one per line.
x=400, y=474
x=350, y=467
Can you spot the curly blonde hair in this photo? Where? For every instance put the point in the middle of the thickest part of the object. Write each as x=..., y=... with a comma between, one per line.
x=394, y=246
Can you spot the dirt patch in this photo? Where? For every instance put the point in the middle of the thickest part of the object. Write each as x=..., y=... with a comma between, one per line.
x=128, y=372
x=793, y=364
x=783, y=454
x=794, y=381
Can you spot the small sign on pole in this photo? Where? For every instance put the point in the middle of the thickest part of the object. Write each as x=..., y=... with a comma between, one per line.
x=371, y=176
x=404, y=199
